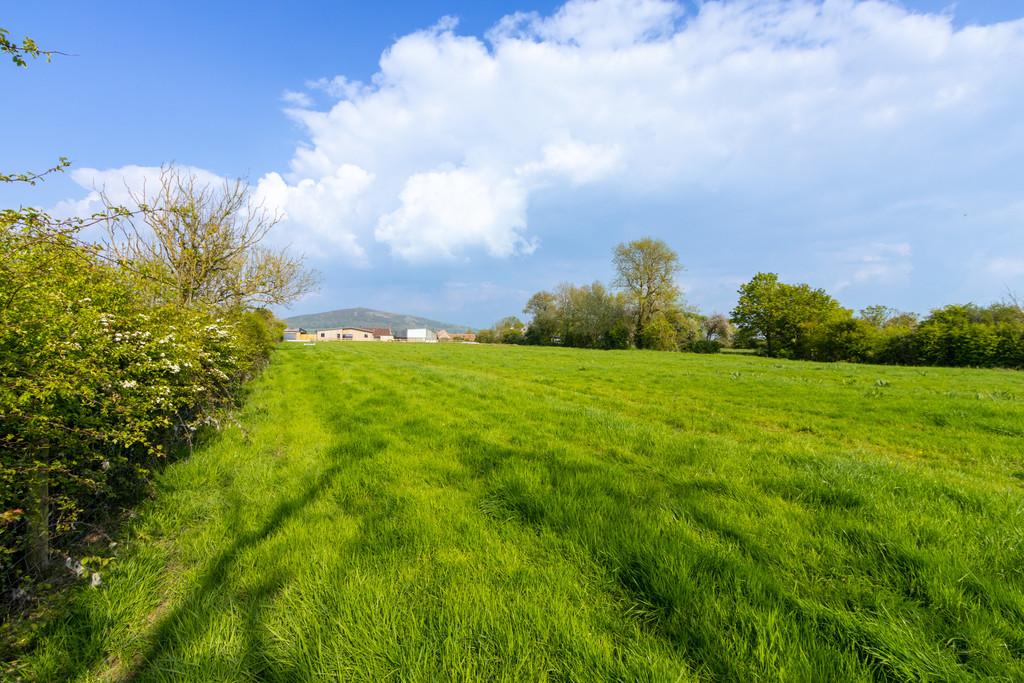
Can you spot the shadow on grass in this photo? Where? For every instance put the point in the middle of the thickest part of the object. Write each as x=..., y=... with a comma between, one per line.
x=191, y=616
x=187, y=620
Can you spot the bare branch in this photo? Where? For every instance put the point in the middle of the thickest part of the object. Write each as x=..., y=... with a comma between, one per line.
x=204, y=244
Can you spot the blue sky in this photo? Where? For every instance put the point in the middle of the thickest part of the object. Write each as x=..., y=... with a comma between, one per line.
x=873, y=149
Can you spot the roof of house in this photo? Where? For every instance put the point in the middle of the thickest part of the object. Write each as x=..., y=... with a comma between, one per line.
x=381, y=331
x=337, y=329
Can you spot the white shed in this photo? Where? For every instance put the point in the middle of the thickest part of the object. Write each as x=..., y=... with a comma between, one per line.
x=420, y=334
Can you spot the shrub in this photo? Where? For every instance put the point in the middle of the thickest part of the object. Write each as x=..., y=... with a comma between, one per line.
x=840, y=338
x=659, y=334
x=617, y=336
x=1010, y=345
x=96, y=386
x=895, y=346
x=706, y=346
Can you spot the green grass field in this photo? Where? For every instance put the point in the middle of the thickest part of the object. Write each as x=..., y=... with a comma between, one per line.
x=454, y=512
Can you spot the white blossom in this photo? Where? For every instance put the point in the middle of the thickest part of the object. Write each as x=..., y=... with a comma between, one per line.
x=75, y=566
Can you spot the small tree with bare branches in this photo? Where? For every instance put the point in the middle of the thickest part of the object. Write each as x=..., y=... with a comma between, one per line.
x=197, y=244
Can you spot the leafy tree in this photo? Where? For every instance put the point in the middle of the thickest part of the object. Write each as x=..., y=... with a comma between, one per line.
x=758, y=315
x=509, y=330
x=782, y=316
x=994, y=314
x=592, y=317
x=905, y=321
x=959, y=335
x=895, y=345
x=840, y=337
x=94, y=382
x=659, y=334
x=545, y=320
x=616, y=336
x=33, y=247
x=877, y=316
x=646, y=271
x=1015, y=302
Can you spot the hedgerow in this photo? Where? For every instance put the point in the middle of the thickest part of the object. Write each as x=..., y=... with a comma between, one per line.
x=97, y=386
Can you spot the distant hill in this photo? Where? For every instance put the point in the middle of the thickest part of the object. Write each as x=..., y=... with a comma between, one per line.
x=367, y=317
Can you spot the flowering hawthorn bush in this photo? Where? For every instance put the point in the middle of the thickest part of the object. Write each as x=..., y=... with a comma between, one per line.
x=96, y=386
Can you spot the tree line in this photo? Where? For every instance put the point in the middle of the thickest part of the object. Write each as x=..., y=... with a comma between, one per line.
x=117, y=352
x=798, y=321
x=644, y=309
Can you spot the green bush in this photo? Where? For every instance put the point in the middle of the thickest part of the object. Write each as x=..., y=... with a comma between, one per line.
x=96, y=386
x=706, y=346
x=659, y=334
x=1010, y=345
x=840, y=338
x=970, y=336
x=894, y=346
x=616, y=336
x=258, y=333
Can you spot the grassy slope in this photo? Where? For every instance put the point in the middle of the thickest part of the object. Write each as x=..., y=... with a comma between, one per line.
x=433, y=512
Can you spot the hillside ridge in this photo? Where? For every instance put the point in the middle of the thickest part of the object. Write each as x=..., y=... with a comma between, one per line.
x=368, y=317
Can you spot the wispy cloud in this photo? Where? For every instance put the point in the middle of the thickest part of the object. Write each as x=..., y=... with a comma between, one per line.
x=1006, y=267
x=876, y=262
x=297, y=99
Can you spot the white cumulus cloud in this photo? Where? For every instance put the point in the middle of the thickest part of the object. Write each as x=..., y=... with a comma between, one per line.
x=751, y=97
x=318, y=215
x=119, y=185
x=437, y=156
x=443, y=212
